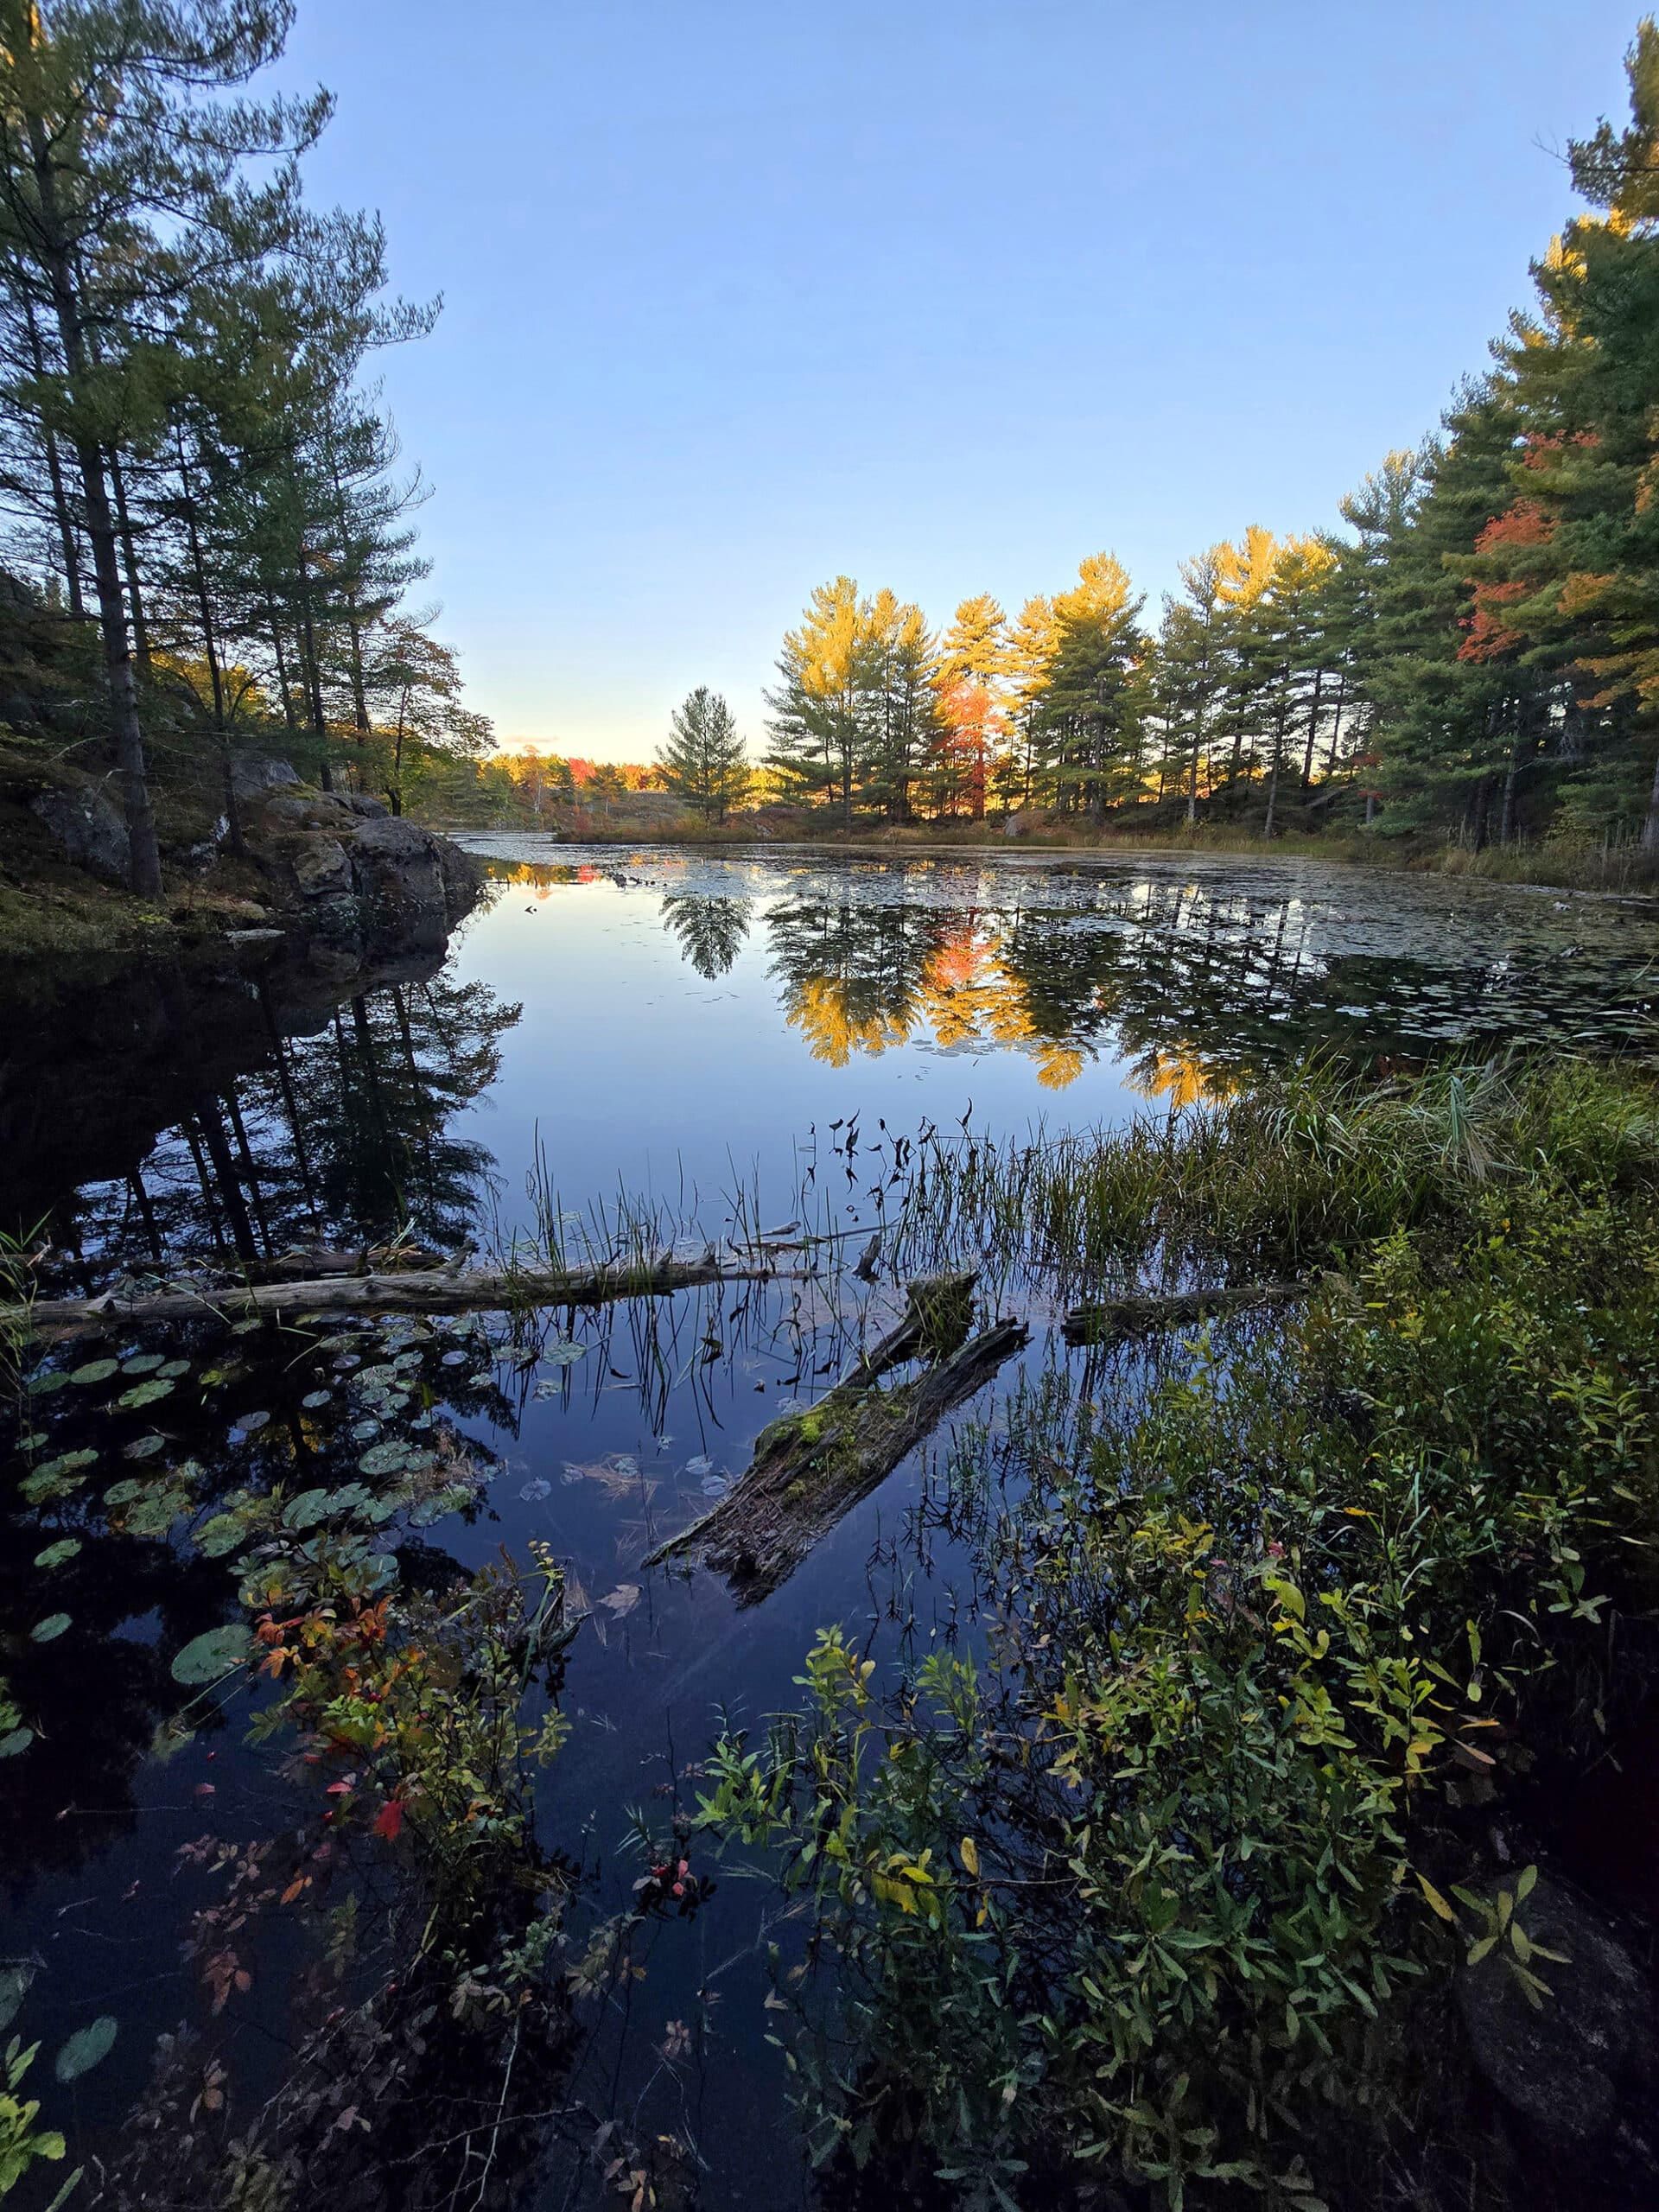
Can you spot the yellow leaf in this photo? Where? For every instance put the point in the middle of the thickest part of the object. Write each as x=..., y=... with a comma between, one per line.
x=1436, y=1903
x=969, y=1851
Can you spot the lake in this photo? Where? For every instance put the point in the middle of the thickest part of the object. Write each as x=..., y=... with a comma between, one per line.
x=663, y=1047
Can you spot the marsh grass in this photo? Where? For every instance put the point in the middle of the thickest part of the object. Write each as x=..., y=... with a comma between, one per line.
x=1155, y=1888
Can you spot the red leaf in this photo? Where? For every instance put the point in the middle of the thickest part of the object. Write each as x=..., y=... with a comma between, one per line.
x=389, y=1820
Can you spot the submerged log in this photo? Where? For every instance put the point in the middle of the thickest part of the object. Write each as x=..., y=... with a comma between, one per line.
x=424, y=1291
x=1105, y=1319
x=810, y=1469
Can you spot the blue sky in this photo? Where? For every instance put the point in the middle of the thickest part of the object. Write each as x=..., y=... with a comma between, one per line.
x=946, y=294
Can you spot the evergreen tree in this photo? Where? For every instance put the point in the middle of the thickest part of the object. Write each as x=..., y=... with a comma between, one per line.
x=121, y=189
x=703, y=762
x=1094, y=698
x=821, y=707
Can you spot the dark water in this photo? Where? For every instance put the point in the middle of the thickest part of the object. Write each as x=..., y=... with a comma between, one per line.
x=700, y=1033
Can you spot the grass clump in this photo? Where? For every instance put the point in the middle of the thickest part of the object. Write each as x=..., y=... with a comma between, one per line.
x=1289, y=1175
x=1154, y=1889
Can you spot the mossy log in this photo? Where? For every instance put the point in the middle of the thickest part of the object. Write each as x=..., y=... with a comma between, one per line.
x=810, y=1469
x=420, y=1291
x=1103, y=1320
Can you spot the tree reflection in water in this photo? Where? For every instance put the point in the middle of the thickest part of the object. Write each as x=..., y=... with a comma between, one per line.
x=711, y=931
x=336, y=1129
x=1190, y=985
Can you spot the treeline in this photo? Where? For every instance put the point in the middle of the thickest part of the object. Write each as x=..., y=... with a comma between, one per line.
x=1477, y=653
x=211, y=536
x=526, y=788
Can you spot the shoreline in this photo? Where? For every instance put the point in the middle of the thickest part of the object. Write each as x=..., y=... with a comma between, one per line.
x=875, y=847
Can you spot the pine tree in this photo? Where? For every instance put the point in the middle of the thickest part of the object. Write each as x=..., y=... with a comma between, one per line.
x=901, y=716
x=822, y=706
x=1190, y=671
x=121, y=188
x=1094, y=695
x=703, y=762
x=1566, y=580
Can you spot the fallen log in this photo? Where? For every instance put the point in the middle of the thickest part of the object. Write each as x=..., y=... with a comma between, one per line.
x=422, y=1290
x=810, y=1469
x=1103, y=1320
x=938, y=1313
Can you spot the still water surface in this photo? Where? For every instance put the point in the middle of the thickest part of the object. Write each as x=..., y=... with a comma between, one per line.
x=690, y=1028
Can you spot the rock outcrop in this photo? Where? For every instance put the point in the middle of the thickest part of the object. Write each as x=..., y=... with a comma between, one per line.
x=90, y=828
x=357, y=881
x=1578, y=2068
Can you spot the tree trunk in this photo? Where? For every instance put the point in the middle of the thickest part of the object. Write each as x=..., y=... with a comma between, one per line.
x=1312, y=732
x=1506, y=813
x=54, y=470
x=140, y=631
x=145, y=862
x=1650, y=825
x=221, y=732
x=310, y=672
x=281, y=669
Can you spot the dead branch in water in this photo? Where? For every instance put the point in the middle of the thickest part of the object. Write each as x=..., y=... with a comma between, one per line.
x=810, y=1469
x=1105, y=1319
x=422, y=1290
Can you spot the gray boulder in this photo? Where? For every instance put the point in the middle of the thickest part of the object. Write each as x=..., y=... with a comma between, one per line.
x=1569, y=2066
x=253, y=774
x=89, y=828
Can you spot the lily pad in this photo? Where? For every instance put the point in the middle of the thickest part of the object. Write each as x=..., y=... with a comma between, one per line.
x=19, y=1740
x=46, y=1379
x=307, y=1509
x=142, y=1363
x=381, y=1459
x=220, y=1534
x=313, y=1399
x=49, y=1630
x=145, y=1393
x=68, y=1463
x=563, y=1354
x=154, y=1514
x=175, y=1369
x=206, y=1658
x=13, y=1987
x=56, y=1556
x=251, y=1424
x=143, y=1448
x=85, y=2049
x=96, y=1371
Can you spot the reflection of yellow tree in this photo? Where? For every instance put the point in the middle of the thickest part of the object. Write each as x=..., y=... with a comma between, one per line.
x=969, y=996
x=820, y=1009
x=1182, y=1078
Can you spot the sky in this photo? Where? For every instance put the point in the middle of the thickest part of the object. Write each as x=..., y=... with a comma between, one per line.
x=944, y=295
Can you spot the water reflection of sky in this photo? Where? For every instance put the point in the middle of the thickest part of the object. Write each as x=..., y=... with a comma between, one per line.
x=687, y=1017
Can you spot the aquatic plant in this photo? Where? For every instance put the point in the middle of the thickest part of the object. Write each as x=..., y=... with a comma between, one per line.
x=1141, y=1887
